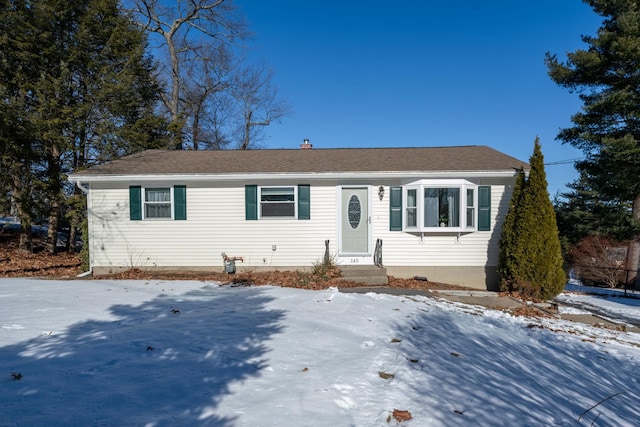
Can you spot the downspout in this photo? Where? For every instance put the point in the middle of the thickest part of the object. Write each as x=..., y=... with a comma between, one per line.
x=85, y=190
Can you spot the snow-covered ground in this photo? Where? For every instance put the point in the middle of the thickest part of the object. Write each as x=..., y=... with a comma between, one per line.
x=609, y=303
x=158, y=353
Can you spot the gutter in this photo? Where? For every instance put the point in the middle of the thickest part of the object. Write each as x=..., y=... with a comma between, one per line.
x=82, y=188
x=359, y=175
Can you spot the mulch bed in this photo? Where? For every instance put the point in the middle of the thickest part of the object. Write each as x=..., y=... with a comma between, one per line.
x=14, y=263
x=289, y=279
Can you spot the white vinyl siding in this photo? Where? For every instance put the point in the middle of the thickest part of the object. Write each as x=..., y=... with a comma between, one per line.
x=215, y=224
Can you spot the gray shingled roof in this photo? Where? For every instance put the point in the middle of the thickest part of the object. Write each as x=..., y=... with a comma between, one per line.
x=154, y=162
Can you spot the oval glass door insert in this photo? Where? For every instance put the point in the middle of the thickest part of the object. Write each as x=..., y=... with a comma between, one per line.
x=355, y=211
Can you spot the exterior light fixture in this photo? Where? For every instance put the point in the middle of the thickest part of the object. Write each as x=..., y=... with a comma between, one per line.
x=381, y=192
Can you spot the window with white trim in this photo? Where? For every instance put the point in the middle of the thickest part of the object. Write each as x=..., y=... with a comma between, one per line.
x=412, y=208
x=157, y=203
x=440, y=205
x=152, y=203
x=471, y=208
x=278, y=201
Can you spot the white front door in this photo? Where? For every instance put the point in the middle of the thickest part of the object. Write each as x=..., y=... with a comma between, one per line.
x=354, y=229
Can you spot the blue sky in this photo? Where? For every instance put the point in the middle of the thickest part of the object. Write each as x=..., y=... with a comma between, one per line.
x=414, y=73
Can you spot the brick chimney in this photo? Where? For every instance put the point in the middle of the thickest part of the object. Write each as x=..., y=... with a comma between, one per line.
x=306, y=145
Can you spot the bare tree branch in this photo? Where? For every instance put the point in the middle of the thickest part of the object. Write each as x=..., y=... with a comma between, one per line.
x=215, y=23
x=259, y=102
x=599, y=403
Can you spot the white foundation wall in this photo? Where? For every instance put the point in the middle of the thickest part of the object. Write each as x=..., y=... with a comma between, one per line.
x=215, y=224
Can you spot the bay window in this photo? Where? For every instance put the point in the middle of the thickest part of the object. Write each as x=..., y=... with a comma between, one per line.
x=440, y=205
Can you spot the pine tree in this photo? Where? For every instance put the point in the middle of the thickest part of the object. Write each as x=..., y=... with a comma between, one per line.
x=583, y=212
x=18, y=70
x=531, y=256
x=76, y=84
x=509, y=227
x=607, y=129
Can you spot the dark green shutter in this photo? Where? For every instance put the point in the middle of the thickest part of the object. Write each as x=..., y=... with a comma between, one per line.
x=304, y=202
x=180, y=202
x=135, y=203
x=395, y=209
x=251, y=202
x=484, y=208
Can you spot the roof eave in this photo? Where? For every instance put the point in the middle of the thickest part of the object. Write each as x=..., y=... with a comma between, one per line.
x=291, y=176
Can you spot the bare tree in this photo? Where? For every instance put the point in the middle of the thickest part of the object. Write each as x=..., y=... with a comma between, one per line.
x=258, y=104
x=599, y=260
x=215, y=124
x=184, y=27
x=206, y=77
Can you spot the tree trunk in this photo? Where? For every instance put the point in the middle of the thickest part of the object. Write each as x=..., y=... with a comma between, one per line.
x=633, y=250
x=54, y=189
x=246, y=138
x=73, y=235
x=196, y=125
x=26, y=237
x=174, y=100
x=24, y=214
x=52, y=231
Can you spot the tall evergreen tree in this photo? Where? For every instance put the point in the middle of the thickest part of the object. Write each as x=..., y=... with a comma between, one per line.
x=506, y=260
x=583, y=212
x=607, y=77
x=18, y=70
x=82, y=89
x=531, y=250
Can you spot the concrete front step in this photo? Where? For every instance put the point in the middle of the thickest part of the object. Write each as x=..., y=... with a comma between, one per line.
x=366, y=274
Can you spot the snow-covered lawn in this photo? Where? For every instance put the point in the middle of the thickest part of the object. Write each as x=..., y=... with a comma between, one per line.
x=609, y=303
x=157, y=353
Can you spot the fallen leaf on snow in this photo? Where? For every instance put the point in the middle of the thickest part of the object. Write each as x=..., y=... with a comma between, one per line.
x=401, y=415
x=385, y=375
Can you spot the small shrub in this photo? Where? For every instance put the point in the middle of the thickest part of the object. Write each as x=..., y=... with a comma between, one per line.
x=304, y=278
x=320, y=273
x=599, y=261
x=325, y=269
